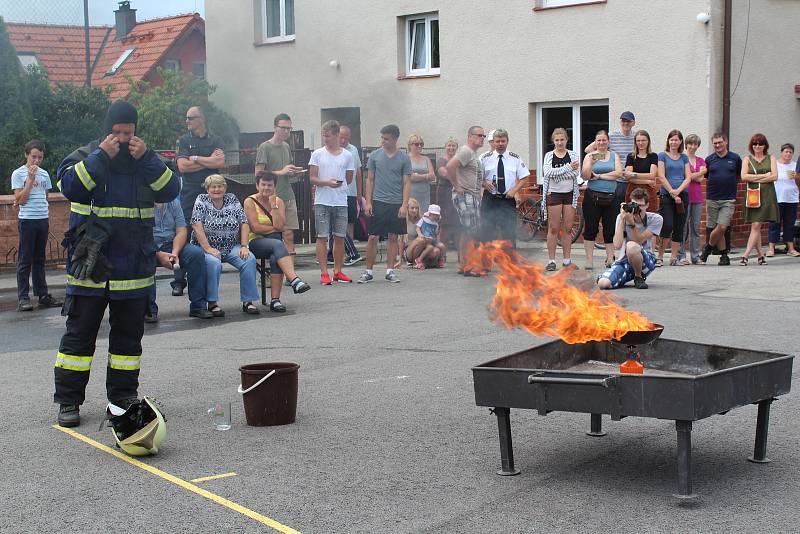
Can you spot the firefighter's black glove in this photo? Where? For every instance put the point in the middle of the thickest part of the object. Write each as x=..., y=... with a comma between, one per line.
x=87, y=251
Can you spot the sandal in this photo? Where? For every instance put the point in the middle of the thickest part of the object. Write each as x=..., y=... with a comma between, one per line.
x=660, y=262
x=249, y=307
x=793, y=253
x=743, y=261
x=770, y=253
x=216, y=311
x=277, y=306
x=762, y=260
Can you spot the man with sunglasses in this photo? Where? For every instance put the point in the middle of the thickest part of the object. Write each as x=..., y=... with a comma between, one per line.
x=200, y=154
x=633, y=240
x=465, y=173
x=275, y=155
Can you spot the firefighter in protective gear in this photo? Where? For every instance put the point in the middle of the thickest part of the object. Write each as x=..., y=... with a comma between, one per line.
x=115, y=179
x=140, y=430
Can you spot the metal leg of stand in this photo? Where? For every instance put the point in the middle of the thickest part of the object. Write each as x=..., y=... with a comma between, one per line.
x=506, y=447
x=762, y=426
x=596, y=426
x=684, y=429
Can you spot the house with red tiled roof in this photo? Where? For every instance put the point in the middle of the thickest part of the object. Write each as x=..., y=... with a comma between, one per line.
x=128, y=48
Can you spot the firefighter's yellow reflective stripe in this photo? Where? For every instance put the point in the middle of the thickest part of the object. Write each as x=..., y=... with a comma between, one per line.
x=73, y=363
x=83, y=174
x=113, y=211
x=80, y=209
x=125, y=213
x=124, y=363
x=159, y=184
x=71, y=280
x=129, y=285
x=113, y=285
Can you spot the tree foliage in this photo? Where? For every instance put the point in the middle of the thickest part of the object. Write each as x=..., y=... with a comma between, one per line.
x=162, y=109
x=16, y=120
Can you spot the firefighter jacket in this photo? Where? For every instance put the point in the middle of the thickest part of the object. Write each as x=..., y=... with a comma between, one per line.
x=125, y=199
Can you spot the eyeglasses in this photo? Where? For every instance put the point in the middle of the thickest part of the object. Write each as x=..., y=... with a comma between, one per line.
x=287, y=128
x=479, y=135
x=192, y=117
x=418, y=144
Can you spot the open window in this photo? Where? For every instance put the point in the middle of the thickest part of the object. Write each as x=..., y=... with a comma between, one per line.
x=422, y=45
x=120, y=61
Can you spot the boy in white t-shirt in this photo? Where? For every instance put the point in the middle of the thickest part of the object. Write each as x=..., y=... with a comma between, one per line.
x=331, y=168
x=30, y=184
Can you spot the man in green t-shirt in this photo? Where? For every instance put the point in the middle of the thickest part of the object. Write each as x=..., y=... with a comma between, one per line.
x=274, y=155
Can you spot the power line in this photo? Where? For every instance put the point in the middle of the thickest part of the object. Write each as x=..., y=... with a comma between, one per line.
x=744, y=51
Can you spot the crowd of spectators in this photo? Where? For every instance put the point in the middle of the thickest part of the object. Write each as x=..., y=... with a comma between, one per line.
x=641, y=203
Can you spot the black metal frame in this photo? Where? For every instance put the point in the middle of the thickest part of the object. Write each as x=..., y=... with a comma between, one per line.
x=730, y=378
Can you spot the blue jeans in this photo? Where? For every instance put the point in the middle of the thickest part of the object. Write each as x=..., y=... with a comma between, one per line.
x=784, y=230
x=192, y=262
x=248, y=292
x=691, y=231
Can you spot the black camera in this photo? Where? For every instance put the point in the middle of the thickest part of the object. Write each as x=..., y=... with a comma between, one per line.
x=631, y=207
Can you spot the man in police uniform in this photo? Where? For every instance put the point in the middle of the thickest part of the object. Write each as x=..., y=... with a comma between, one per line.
x=113, y=183
x=503, y=174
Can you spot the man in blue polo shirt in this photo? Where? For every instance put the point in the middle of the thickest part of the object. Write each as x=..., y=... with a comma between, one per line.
x=724, y=169
x=30, y=184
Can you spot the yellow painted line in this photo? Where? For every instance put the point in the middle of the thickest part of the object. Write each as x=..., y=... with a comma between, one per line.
x=214, y=477
x=182, y=483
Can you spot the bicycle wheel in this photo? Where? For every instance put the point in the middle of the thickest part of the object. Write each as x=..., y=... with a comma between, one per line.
x=577, y=226
x=529, y=221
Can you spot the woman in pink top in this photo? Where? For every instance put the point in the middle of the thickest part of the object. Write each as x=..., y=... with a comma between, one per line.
x=697, y=173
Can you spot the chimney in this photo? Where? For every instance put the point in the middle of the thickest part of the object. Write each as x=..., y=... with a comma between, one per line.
x=125, y=18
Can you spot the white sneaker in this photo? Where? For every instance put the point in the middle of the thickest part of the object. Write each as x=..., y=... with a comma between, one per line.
x=365, y=278
x=392, y=277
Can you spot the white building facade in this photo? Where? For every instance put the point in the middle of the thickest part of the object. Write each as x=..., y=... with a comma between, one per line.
x=435, y=68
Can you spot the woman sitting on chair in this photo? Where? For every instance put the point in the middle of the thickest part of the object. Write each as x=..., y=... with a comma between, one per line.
x=220, y=229
x=266, y=216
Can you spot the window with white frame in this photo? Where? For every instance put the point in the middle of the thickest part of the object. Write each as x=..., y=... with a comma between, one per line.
x=120, y=61
x=277, y=20
x=543, y=4
x=422, y=45
x=582, y=120
x=28, y=60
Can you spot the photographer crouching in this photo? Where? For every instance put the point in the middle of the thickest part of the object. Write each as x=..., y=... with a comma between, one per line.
x=633, y=236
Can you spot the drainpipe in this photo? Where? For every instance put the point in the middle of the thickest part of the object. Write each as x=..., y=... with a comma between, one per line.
x=726, y=69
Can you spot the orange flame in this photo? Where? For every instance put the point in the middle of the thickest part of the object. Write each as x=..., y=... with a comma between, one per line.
x=550, y=305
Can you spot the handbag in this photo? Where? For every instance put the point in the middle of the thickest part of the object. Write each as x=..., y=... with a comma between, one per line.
x=602, y=200
x=753, y=197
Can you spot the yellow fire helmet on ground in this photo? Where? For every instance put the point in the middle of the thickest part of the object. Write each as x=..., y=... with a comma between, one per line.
x=140, y=430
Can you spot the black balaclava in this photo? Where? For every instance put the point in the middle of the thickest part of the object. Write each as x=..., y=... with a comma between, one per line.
x=121, y=112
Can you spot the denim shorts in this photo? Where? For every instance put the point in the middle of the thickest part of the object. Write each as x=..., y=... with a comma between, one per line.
x=330, y=219
x=621, y=272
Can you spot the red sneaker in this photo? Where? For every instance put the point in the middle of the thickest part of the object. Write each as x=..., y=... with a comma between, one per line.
x=342, y=278
x=325, y=279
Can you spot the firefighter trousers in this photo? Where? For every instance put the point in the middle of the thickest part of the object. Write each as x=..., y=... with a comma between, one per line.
x=74, y=359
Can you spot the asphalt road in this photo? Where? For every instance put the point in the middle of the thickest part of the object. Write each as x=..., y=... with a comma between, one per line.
x=388, y=437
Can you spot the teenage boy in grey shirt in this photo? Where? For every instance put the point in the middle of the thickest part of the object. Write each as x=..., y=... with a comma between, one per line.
x=386, y=200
